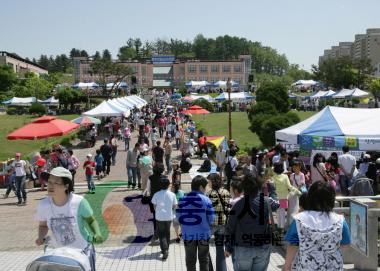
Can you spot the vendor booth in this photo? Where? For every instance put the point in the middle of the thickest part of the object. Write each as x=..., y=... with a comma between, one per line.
x=332, y=128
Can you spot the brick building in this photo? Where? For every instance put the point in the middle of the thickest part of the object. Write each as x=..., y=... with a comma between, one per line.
x=20, y=65
x=167, y=71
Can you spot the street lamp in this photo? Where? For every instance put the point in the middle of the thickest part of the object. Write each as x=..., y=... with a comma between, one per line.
x=229, y=109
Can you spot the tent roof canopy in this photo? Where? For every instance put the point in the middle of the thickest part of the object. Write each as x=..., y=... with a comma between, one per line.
x=335, y=121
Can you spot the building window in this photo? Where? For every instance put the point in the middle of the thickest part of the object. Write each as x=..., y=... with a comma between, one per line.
x=203, y=68
x=192, y=69
x=237, y=68
x=214, y=68
x=226, y=68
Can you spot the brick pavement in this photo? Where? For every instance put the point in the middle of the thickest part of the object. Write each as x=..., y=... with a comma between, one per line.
x=18, y=228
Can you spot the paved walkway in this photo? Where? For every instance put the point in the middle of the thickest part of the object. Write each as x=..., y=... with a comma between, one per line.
x=125, y=216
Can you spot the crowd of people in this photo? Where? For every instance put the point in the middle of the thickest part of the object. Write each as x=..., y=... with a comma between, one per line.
x=234, y=205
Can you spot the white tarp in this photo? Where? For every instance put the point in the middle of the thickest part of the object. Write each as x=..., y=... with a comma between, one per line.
x=197, y=84
x=117, y=85
x=360, y=123
x=21, y=101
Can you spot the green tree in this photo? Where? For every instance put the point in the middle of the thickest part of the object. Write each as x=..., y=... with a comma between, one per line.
x=7, y=78
x=107, y=70
x=106, y=55
x=276, y=93
x=65, y=96
x=38, y=87
x=340, y=72
x=374, y=87
x=126, y=53
x=296, y=73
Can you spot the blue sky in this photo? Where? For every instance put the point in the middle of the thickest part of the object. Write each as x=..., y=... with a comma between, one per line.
x=301, y=29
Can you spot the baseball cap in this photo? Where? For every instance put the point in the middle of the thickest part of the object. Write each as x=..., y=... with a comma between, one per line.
x=58, y=172
x=89, y=155
x=18, y=154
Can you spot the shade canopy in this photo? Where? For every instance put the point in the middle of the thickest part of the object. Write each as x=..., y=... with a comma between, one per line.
x=86, y=120
x=223, y=84
x=117, y=85
x=235, y=96
x=43, y=127
x=16, y=101
x=197, y=84
x=51, y=101
x=105, y=109
x=357, y=123
x=82, y=85
x=304, y=83
x=116, y=107
x=195, y=110
x=322, y=94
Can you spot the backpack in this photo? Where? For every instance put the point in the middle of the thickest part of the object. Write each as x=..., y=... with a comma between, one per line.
x=362, y=187
x=63, y=162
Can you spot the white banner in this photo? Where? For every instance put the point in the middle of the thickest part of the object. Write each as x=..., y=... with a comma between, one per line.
x=369, y=144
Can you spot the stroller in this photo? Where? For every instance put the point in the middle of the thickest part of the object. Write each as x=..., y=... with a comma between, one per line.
x=62, y=259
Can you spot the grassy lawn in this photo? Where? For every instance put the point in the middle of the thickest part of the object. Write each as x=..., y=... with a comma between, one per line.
x=216, y=124
x=11, y=123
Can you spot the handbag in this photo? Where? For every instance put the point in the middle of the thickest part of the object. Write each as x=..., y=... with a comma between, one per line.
x=275, y=232
x=145, y=200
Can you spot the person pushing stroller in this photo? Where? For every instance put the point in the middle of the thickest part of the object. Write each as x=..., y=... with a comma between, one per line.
x=68, y=216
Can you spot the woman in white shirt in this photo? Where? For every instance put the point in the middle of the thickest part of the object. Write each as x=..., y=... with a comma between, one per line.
x=68, y=216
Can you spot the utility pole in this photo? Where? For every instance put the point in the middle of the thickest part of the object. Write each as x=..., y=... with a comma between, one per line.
x=229, y=109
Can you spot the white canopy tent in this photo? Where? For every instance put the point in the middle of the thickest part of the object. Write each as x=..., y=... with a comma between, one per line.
x=16, y=101
x=235, y=97
x=358, y=123
x=51, y=101
x=343, y=93
x=322, y=94
x=204, y=97
x=358, y=93
x=304, y=83
x=197, y=84
x=106, y=109
x=82, y=85
x=117, y=85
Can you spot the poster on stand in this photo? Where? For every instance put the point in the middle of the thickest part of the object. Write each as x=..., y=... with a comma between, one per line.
x=359, y=226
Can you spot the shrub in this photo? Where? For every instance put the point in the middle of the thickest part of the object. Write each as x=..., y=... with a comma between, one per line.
x=204, y=104
x=261, y=108
x=37, y=108
x=65, y=141
x=12, y=111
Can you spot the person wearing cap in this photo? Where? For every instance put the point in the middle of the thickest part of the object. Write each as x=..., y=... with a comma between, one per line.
x=89, y=166
x=68, y=216
x=19, y=167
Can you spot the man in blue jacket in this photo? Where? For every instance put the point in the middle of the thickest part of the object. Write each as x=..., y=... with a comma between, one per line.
x=196, y=214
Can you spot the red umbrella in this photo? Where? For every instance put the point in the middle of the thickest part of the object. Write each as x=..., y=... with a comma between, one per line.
x=195, y=110
x=43, y=127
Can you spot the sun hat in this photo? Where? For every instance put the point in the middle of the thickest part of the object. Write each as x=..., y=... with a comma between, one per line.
x=58, y=172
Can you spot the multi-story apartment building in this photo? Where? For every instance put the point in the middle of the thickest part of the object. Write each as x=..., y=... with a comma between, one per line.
x=364, y=46
x=167, y=71
x=20, y=65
